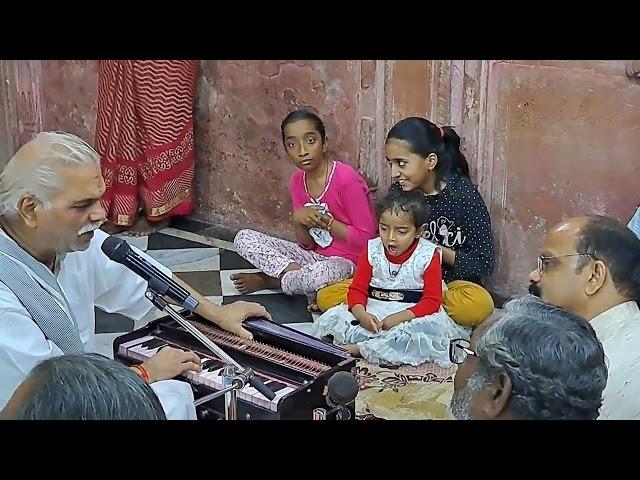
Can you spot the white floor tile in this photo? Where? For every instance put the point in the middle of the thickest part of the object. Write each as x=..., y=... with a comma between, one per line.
x=188, y=259
x=195, y=237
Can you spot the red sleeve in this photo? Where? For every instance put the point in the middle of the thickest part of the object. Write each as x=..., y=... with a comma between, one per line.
x=432, y=289
x=358, y=293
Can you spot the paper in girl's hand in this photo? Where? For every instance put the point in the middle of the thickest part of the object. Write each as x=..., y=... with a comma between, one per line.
x=321, y=236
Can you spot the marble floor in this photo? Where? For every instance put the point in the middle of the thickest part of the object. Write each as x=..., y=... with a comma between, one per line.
x=206, y=264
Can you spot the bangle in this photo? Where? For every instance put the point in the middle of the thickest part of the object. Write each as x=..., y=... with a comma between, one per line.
x=143, y=372
x=329, y=225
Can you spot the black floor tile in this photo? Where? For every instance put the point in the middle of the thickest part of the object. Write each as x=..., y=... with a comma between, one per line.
x=283, y=308
x=189, y=224
x=160, y=241
x=232, y=261
x=205, y=283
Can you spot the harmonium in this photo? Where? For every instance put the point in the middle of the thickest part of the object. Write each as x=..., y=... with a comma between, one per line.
x=294, y=365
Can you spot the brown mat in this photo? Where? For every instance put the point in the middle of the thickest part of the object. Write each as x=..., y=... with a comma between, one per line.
x=403, y=393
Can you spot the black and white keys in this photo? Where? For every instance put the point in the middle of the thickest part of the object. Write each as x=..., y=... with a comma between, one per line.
x=211, y=375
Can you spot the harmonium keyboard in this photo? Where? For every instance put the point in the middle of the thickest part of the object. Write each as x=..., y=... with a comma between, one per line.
x=294, y=365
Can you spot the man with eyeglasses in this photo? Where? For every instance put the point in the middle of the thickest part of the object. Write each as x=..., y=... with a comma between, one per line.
x=591, y=266
x=537, y=362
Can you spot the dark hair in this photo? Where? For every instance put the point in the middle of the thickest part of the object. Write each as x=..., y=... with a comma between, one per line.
x=304, y=115
x=88, y=386
x=553, y=358
x=608, y=240
x=424, y=138
x=400, y=202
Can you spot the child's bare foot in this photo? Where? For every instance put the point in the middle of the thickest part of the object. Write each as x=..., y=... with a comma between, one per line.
x=253, y=282
x=353, y=349
x=313, y=307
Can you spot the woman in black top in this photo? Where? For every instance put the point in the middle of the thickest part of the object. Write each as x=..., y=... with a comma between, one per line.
x=427, y=157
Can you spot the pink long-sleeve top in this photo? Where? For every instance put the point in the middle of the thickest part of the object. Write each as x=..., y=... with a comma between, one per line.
x=348, y=199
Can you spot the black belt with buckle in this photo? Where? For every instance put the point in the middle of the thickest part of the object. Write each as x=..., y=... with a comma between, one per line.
x=405, y=296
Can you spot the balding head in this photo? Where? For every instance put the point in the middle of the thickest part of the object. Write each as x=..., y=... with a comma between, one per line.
x=589, y=264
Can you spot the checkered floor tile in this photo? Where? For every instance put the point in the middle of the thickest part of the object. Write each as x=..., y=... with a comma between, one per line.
x=206, y=264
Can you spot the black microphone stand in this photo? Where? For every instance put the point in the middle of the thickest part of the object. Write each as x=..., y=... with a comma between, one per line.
x=234, y=376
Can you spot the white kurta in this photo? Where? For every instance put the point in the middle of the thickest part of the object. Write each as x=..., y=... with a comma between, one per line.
x=88, y=278
x=619, y=331
x=634, y=223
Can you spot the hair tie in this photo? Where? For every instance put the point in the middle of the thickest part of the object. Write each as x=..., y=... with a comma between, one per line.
x=441, y=132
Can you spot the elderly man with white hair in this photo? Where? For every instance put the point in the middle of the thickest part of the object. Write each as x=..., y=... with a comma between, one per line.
x=53, y=271
x=537, y=362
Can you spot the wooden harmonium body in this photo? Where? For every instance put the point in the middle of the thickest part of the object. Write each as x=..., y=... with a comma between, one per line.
x=294, y=365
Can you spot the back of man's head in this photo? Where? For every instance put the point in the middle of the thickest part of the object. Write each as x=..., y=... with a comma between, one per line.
x=608, y=240
x=86, y=387
x=555, y=362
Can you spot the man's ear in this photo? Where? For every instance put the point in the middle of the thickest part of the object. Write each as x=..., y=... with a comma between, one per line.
x=497, y=396
x=28, y=209
x=597, y=276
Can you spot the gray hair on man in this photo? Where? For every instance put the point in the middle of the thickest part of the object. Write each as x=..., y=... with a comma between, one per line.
x=553, y=358
x=32, y=170
x=87, y=386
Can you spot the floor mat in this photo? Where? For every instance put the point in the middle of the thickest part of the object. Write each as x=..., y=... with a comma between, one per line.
x=403, y=393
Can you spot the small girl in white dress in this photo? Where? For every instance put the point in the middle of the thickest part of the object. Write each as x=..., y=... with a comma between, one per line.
x=394, y=312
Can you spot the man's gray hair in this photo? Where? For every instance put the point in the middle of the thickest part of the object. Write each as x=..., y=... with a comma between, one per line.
x=32, y=171
x=554, y=360
x=88, y=386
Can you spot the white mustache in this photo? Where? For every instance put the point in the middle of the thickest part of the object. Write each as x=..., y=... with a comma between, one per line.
x=90, y=227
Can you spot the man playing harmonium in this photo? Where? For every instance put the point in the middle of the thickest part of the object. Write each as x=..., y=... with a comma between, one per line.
x=53, y=271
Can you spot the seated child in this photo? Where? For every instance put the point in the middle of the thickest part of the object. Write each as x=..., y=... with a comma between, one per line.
x=333, y=218
x=394, y=314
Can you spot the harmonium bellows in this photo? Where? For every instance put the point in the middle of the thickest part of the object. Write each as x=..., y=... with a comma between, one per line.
x=294, y=365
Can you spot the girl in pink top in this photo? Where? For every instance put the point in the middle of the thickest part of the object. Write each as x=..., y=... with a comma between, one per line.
x=333, y=218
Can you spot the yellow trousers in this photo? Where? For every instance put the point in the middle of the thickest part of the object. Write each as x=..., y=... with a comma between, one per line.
x=467, y=303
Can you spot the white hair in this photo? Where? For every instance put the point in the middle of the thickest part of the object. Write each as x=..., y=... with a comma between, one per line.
x=33, y=170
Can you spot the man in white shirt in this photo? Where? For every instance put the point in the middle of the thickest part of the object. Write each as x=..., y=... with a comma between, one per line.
x=591, y=266
x=634, y=223
x=53, y=272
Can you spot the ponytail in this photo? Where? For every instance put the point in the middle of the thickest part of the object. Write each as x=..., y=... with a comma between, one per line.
x=452, y=147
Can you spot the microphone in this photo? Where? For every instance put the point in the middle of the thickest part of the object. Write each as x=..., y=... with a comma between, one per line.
x=342, y=389
x=119, y=251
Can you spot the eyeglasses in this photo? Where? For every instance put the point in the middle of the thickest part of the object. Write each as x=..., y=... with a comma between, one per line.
x=542, y=260
x=459, y=350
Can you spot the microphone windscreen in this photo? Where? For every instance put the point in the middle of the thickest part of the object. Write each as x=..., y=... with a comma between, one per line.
x=115, y=248
x=342, y=388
